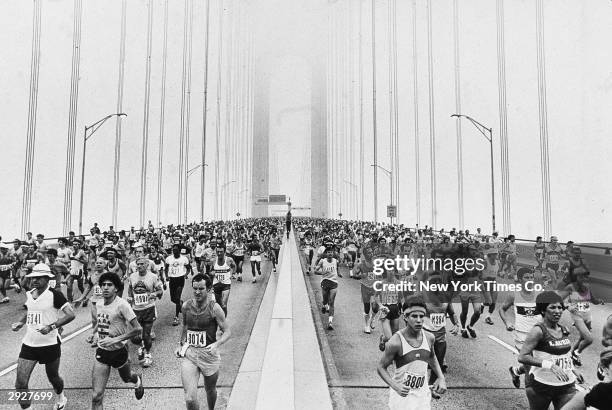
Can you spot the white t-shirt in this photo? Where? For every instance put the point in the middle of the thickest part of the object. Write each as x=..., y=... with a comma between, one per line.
x=43, y=311
x=177, y=267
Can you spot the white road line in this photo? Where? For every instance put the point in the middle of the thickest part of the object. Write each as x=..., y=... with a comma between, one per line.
x=513, y=350
x=67, y=338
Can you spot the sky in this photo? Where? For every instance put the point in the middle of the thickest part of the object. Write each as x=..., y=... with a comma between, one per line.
x=288, y=36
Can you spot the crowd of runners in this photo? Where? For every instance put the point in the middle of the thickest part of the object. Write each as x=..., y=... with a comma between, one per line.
x=122, y=275
x=412, y=318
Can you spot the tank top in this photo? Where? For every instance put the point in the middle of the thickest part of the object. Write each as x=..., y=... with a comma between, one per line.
x=582, y=301
x=435, y=321
x=490, y=271
x=222, y=273
x=368, y=277
x=525, y=317
x=201, y=324
x=557, y=350
x=411, y=366
x=538, y=249
x=553, y=254
x=239, y=250
x=330, y=270
x=387, y=296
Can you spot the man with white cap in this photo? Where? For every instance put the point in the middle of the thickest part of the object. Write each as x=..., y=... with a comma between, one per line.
x=41, y=343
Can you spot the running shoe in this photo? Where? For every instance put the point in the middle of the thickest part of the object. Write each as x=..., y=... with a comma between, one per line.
x=516, y=379
x=576, y=359
x=153, y=334
x=472, y=332
x=323, y=309
x=381, y=343
x=489, y=321
x=239, y=279
x=373, y=320
x=330, y=326
x=254, y=280
x=366, y=329
x=464, y=334
x=482, y=309
x=141, y=353
x=5, y=300
x=148, y=360
x=600, y=373
x=61, y=405
x=139, y=388
x=350, y=273
x=176, y=321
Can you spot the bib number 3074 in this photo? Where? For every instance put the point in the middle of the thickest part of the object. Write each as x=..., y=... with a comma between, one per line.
x=414, y=381
x=196, y=339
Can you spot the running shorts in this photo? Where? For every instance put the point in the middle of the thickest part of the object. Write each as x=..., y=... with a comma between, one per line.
x=41, y=354
x=394, y=311
x=366, y=293
x=327, y=284
x=207, y=361
x=552, y=266
x=114, y=358
x=147, y=315
x=220, y=287
x=474, y=297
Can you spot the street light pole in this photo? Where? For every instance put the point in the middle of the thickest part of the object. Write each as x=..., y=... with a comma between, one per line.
x=222, y=189
x=340, y=197
x=390, y=175
x=489, y=138
x=94, y=127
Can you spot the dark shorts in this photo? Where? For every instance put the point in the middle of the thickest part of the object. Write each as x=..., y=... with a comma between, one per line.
x=41, y=354
x=238, y=258
x=394, y=311
x=146, y=316
x=474, y=297
x=550, y=392
x=552, y=266
x=327, y=284
x=113, y=358
x=220, y=287
x=5, y=274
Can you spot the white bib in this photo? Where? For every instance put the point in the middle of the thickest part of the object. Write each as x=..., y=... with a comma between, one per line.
x=141, y=299
x=438, y=319
x=196, y=338
x=414, y=381
x=34, y=318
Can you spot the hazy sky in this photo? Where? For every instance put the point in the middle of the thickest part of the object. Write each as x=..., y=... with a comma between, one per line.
x=288, y=35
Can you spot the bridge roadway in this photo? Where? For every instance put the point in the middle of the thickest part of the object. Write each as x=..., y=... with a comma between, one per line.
x=477, y=376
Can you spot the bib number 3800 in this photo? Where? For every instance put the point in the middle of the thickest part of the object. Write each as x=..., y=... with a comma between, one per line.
x=414, y=381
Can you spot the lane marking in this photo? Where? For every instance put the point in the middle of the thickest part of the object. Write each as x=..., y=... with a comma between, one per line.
x=513, y=350
x=65, y=339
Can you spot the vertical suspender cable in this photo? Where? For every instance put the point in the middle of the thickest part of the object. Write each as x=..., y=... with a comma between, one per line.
x=503, y=116
x=145, y=121
x=72, y=114
x=351, y=163
x=396, y=172
x=458, y=110
x=204, y=113
x=361, y=147
x=181, y=166
x=250, y=108
x=432, y=131
x=391, y=103
x=328, y=69
x=228, y=112
x=119, y=109
x=218, y=125
x=415, y=86
x=162, y=115
x=374, y=110
x=543, y=117
x=32, y=110
x=188, y=108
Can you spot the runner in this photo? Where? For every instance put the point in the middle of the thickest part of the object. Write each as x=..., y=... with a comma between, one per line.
x=411, y=350
x=223, y=269
x=114, y=318
x=525, y=319
x=275, y=245
x=78, y=259
x=600, y=395
x=328, y=267
x=202, y=316
x=579, y=298
x=308, y=248
x=254, y=248
x=553, y=253
x=489, y=273
x=116, y=266
x=238, y=257
x=41, y=343
x=547, y=351
x=364, y=272
x=177, y=266
x=538, y=251
x=93, y=286
x=6, y=265
x=144, y=288
x=389, y=298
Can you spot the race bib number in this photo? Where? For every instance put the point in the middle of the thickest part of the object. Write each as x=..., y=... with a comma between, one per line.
x=414, y=381
x=141, y=299
x=221, y=277
x=371, y=276
x=583, y=306
x=553, y=258
x=565, y=363
x=196, y=338
x=438, y=319
x=390, y=298
x=34, y=318
x=97, y=290
x=52, y=283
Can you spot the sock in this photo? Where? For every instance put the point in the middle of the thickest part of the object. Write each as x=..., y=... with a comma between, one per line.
x=487, y=314
x=331, y=318
x=61, y=397
x=138, y=383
